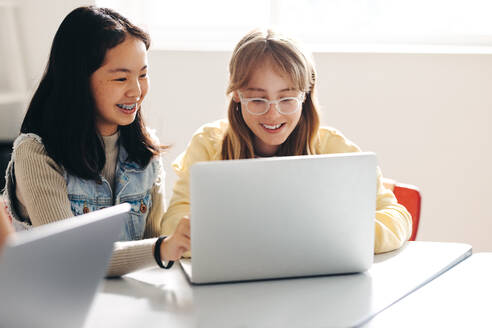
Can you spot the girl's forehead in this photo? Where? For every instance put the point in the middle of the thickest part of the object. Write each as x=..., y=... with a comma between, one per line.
x=267, y=71
x=268, y=78
x=131, y=52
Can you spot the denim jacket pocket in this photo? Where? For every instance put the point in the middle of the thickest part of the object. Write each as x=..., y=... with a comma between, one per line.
x=80, y=204
x=140, y=207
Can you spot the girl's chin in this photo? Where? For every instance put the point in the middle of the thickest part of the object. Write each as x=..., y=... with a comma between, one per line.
x=274, y=139
x=268, y=146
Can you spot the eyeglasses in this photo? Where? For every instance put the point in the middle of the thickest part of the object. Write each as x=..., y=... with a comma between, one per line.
x=259, y=106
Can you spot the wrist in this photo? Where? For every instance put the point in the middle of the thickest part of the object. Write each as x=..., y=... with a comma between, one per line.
x=158, y=252
x=163, y=252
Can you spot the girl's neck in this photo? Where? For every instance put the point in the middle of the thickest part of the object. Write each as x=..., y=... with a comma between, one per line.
x=111, y=142
x=106, y=130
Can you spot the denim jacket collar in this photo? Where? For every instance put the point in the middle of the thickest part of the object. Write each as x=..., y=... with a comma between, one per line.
x=125, y=164
x=133, y=184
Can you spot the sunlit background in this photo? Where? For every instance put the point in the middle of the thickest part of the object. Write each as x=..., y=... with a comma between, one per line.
x=218, y=24
x=409, y=80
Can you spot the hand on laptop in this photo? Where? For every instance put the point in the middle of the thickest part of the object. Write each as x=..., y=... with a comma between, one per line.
x=174, y=246
x=5, y=226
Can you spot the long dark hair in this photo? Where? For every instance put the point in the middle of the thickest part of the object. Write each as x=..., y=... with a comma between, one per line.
x=62, y=111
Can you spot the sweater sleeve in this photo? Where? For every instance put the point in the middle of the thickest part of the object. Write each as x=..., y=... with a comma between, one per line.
x=393, y=223
x=129, y=256
x=43, y=188
x=40, y=184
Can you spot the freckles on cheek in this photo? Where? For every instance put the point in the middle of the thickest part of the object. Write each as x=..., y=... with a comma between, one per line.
x=99, y=90
x=95, y=85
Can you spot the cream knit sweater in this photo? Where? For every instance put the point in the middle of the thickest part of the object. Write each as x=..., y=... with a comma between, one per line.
x=42, y=196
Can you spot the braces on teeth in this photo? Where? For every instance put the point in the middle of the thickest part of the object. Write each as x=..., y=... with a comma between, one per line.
x=128, y=107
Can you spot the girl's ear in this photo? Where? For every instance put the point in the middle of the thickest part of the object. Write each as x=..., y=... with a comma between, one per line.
x=235, y=97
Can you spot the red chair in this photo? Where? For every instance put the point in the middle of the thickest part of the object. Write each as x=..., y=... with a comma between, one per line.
x=408, y=196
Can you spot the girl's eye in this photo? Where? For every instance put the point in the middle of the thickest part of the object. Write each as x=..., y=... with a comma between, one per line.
x=143, y=76
x=122, y=79
x=289, y=100
x=257, y=101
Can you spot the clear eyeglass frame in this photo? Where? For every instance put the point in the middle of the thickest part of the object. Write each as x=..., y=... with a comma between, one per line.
x=278, y=103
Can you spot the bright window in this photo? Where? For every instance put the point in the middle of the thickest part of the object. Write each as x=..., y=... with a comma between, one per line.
x=219, y=24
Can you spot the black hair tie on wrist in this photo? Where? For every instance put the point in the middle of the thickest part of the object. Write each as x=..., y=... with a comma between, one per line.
x=157, y=254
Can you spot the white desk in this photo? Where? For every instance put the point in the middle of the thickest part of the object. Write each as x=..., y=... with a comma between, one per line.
x=460, y=297
x=158, y=298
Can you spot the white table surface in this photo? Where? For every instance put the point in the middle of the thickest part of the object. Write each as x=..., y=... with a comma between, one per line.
x=164, y=298
x=461, y=297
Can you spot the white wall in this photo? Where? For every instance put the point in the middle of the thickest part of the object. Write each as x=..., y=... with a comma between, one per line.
x=427, y=116
x=38, y=22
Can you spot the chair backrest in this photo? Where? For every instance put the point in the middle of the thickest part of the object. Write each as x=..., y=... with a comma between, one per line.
x=410, y=197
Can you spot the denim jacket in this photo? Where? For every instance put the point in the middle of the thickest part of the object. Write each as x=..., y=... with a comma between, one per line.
x=133, y=185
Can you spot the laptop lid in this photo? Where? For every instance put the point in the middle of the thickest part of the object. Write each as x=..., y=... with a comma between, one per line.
x=49, y=275
x=282, y=217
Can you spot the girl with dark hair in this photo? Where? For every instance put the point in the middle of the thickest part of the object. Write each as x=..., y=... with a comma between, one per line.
x=84, y=145
x=273, y=111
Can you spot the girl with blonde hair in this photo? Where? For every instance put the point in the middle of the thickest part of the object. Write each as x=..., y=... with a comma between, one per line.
x=273, y=111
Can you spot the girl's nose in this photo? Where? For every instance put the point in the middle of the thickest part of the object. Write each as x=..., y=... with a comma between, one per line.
x=135, y=90
x=272, y=111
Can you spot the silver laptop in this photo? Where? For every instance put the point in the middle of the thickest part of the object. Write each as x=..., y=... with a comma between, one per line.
x=282, y=217
x=49, y=275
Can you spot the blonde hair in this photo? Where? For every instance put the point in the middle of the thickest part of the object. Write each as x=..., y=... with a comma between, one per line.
x=255, y=48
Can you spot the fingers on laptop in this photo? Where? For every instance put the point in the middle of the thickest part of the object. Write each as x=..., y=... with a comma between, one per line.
x=5, y=227
x=178, y=243
x=184, y=226
x=174, y=247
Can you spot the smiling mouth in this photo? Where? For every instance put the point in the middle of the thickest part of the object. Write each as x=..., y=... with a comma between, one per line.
x=272, y=127
x=127, y=107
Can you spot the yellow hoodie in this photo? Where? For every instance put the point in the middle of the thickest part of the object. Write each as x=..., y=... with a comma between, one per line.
x=393, y=223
